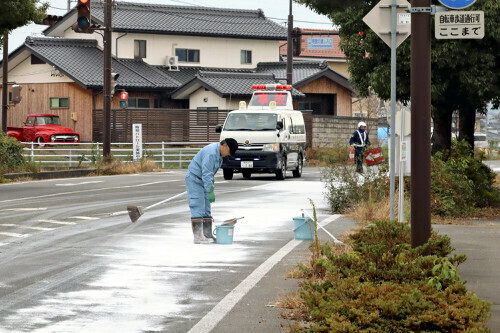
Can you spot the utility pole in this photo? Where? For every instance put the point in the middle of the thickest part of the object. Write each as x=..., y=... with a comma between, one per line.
x=289, y=48
x=420, y=122
x=5, y=64
x=106, y=148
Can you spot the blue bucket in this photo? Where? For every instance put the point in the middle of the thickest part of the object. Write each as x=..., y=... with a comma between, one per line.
x=303, y=229
x=224, y=234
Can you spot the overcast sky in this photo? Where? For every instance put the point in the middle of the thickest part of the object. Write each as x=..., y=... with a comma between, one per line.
x=277, y=10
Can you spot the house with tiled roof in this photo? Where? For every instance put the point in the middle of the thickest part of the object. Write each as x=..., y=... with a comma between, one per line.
x=168, y=58
x=320, y=45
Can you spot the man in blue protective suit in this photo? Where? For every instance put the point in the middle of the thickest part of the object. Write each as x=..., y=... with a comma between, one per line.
x=200, y=186
x=359, y=140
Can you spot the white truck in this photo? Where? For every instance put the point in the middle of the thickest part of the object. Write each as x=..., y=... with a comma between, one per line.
x=271, y=135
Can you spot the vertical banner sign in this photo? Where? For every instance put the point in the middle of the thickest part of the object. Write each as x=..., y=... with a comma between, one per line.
x=137, y=141
x=403, y=151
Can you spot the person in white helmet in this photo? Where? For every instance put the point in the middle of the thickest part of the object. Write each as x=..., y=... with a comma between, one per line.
x=359, y=140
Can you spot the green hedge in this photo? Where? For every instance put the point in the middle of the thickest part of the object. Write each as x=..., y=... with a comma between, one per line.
x=11, y=158
x=384, y=285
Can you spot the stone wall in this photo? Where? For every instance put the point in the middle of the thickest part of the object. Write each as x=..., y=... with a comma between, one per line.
x=330, y=131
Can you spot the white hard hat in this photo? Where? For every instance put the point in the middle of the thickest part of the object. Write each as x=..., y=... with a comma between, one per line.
x=361, y=123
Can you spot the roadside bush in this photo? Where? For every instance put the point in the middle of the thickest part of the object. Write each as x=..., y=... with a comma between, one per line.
x=344, y=188
x=461, y=182
x=460, y=185
x=11, y=158
x=383, y=285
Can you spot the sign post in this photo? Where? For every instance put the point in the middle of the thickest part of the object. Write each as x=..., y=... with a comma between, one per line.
x=393, y=27
x=137, y=141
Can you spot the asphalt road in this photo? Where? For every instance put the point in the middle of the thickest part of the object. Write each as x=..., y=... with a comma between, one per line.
x=73, y=262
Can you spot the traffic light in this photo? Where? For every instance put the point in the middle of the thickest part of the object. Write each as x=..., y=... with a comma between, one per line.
x=49, y=20
x=114, y=77
x=297, y=41
x=16, y=93
x=123, y=99
x=83, y=15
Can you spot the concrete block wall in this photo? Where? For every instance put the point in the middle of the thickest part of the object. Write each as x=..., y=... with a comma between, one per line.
x=330, y=131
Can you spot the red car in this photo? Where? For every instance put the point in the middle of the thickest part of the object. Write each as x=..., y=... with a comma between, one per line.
x=43, y=129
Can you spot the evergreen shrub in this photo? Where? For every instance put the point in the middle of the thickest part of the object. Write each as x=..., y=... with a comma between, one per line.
x=384, y=285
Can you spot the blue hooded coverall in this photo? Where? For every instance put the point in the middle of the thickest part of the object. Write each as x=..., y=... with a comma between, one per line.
x=199, y=179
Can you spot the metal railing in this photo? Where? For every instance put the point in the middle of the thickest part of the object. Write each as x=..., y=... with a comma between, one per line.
x=165, y=154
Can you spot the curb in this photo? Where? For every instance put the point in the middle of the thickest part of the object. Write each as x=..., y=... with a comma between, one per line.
x=51, y=174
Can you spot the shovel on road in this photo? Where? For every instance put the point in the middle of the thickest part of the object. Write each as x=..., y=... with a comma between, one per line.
x=135, y=212
x=232, y=221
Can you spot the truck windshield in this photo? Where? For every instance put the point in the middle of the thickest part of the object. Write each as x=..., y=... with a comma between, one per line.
x=47, y=121
x=251, y=122
x=263, y=98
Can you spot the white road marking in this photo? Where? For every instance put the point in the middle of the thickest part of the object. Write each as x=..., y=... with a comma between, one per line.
x=89, y=190
x=81, y=183
x=3, y=244
x=12, y=234
x=55, y=222
x=25, y=227
x=22, y=209
x=122, y=212
x=211, y=319
x=83, y=218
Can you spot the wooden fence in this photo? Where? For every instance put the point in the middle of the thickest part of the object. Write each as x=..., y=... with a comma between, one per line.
x=169, y=125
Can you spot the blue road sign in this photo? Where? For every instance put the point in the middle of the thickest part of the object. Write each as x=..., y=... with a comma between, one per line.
x=457, y=4
x=318, y=43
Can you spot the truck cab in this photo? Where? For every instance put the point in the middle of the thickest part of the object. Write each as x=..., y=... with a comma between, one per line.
x=43, y=129
x=271, y=135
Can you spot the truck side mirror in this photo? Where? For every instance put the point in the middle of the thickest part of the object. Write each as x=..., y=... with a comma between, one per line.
x=218, y=128
x=279, y=125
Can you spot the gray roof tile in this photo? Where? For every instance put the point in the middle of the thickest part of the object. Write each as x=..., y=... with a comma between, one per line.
x=229, y=84
x=82, y=61
x=186, y=74
x=191, y=20
x=304, y=72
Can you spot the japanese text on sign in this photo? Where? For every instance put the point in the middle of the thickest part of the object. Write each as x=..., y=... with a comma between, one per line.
x=315, y=43
x=137, y=141
x=459, y=25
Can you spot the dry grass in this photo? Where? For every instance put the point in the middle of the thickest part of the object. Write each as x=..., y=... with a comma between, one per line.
x=117, y=167
x=366, y=212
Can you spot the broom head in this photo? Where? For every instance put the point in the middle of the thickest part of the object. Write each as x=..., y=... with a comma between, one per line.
x=134, y=212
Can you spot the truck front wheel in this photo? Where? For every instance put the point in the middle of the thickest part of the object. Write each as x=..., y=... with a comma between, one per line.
x=39, y=142
x=228, y=174
x=281, y=173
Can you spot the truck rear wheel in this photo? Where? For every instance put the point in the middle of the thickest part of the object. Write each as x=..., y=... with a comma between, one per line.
x=298, y=172
x=228, y=174
x=281, y=173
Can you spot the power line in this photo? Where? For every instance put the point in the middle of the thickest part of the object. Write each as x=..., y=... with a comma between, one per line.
x=285, y=20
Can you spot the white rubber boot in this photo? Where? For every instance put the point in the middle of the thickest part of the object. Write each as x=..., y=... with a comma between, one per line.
x=199, y=237
x=207, y=228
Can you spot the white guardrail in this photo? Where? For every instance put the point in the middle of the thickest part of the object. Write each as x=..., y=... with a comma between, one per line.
x=165, y=154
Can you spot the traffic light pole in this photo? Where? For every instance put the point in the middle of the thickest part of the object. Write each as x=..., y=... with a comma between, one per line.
x=5, y=64
x=106, y=148
x=420, y=123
